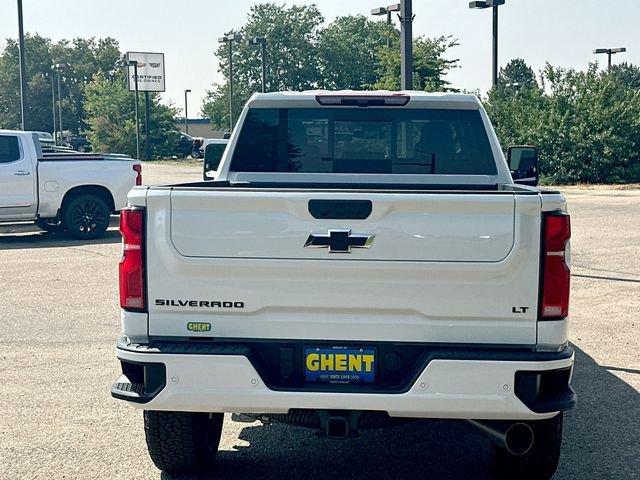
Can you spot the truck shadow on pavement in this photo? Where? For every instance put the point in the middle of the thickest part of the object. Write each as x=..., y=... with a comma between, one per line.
x=601, y=441
x=42, y=239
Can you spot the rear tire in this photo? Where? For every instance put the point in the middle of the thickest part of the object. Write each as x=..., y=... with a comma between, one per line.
x=85, y=217
x=182, y=442
x=539, y=463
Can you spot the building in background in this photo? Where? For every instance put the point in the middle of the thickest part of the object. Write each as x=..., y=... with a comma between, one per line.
x=198, y=127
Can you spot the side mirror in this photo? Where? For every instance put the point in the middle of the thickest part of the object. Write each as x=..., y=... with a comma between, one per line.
x=212, y=156
x=523, y=164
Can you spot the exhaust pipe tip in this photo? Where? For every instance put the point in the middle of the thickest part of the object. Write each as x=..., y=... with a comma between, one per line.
x=518, y=439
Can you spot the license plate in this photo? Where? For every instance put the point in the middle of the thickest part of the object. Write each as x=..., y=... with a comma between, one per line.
x=346, y=365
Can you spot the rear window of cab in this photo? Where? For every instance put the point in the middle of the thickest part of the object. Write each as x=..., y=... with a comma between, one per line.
x=9, y=149
x=364, y=140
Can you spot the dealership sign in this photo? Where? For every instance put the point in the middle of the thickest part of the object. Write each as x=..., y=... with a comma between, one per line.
x=150, y=71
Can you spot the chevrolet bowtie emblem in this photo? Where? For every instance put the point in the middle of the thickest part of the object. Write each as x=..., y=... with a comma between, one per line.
x=339, y=241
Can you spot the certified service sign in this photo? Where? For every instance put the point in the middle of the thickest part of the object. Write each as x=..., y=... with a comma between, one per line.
x=150, y=71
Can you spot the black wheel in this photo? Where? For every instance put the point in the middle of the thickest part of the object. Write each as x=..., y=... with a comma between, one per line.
x=49, y=225
x=85, y=217
x=539, y=463
x=182, y=442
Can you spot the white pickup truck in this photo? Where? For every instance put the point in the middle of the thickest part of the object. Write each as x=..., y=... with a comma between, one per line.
x=71, y=191
x=360, y=259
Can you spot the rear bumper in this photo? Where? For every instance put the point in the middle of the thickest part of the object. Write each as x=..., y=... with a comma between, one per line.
x=471, y=384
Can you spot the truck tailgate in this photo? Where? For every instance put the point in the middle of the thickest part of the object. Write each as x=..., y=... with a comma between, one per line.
x=408, y=228
x=440, y=267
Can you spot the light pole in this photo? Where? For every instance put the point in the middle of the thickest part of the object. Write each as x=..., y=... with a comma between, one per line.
x=134, y=64
x=58, y=67
x=493, y=4
x=23, y=73
x=229, y=39
x=610, y=52
x=386, y=11
x=406, y=45
x=262, y=41
x=186, y=112
x=53, y=107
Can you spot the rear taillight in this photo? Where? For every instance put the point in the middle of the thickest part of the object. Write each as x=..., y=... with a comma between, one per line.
x=138, y=169
x=131, y=265
x=556, y=275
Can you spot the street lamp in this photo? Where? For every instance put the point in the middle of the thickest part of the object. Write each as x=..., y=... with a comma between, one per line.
x=53, y=106
x=406, y=45
x=186, y=112
x=386, y=11
x=406, y=38
x=57, y=67
x=23, y=74
x=134, y=64
x=609, y=52
x=262, y=41
x=494, y=4
x=229, y=39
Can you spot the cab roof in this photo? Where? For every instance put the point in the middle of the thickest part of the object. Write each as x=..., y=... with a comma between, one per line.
x=417, y=99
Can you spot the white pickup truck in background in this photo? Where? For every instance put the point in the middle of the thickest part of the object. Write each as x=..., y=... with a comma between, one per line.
x=359, y=260
x=71, y=191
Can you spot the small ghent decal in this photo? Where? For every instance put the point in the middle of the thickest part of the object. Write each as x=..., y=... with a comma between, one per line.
x=199, y=327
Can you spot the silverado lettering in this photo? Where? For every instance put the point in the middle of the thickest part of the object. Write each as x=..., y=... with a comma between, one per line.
x=197, y=303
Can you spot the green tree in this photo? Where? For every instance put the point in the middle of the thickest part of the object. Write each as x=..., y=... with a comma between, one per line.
x=84, y=57
x=429, y=64
x=348, y=52
x=585, y=123
x=517, y=74
x=291, y=57
x=627, y=74
x=110, y=110
x=516, y=105
x=591, y=128
x=38, y=63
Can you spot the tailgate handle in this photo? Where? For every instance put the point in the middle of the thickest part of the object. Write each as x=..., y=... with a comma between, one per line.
x=340, y=209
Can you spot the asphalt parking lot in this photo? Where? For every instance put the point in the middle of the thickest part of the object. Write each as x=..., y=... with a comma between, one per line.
x=59, y=318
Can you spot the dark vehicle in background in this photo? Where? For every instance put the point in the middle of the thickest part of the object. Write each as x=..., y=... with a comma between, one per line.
x=46, y=139
x=77, y=143
x=188, y=146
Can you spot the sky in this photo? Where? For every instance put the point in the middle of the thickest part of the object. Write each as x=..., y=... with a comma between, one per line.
x=562, y=32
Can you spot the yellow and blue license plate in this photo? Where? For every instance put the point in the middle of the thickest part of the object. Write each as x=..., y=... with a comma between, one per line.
x=346, y=365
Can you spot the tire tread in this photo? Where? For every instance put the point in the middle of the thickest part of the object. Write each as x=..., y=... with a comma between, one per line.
x=182, y=442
